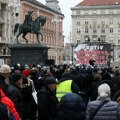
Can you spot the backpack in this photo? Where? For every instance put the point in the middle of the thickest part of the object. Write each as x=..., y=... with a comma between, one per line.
x=11, y=117
x=3, y=112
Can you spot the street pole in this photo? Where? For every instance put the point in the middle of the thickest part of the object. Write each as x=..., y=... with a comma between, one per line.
x=116, y=44
x=56, y=40
x=72, y=53
x=56, y=20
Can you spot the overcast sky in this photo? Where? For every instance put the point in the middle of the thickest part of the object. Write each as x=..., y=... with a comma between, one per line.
x=65, y=6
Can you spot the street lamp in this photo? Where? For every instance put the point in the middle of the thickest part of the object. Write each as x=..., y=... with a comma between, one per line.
x=56, y=20
x=72, y=46
x=116, y=44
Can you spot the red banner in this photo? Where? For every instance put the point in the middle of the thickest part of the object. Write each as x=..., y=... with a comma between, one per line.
x=84, y=52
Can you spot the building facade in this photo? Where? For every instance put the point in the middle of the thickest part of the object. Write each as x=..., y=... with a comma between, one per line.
x=52, y=30
x=4, y=23
x=7, y=14
x=97, y=21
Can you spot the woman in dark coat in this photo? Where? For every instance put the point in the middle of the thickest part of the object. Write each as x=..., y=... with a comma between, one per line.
x=29, y=104
x=71, y=107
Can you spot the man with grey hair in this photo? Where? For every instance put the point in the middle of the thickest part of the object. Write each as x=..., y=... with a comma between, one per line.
x=103, y=108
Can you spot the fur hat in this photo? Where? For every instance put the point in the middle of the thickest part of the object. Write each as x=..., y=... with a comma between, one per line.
x=104, y=90
x=5, y=69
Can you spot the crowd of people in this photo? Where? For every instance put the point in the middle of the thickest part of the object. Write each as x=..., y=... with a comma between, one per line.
x=63, y=92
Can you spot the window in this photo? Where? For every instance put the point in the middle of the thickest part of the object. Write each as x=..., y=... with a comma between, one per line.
x=118, y=41
x=94, y=38
x=111, y=21
x=86, y=37
x=111, y=12
x=103, y=22
x=86, y=22
x=118, y=11
x=103, y=38
x=94, y=22
x=86, y=30
x=118, y=20
x=102, y=11
x=78, y=12
x=78, y=31
x=86, y=12
x=4, y=51
x=94, y=30
x=78, y=22
x=78, y=41
x=111, y=30
x=111, y=41
x=0, y=33
x=94, y=12
x=103, y=30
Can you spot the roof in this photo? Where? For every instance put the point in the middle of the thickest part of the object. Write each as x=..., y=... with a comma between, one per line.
x=53, y=4
x=98, y=2
x=42, y=5
x=34, y=1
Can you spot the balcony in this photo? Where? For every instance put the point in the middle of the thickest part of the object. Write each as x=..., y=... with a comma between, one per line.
x=2, y=20
x=4, y=40
x=5, y=1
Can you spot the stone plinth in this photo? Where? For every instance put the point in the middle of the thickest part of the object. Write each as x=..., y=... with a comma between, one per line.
x=28, y=54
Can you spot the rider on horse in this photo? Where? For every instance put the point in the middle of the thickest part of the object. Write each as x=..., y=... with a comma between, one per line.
x=28, y=20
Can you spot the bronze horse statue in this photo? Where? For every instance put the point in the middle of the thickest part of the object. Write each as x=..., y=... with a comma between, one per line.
x=33, y=28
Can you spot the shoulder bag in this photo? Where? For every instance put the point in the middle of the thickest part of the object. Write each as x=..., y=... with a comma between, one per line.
x=104, y=102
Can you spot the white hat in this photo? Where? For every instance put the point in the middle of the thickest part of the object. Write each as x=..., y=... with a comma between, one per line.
x=5, y=69
x=104, y=90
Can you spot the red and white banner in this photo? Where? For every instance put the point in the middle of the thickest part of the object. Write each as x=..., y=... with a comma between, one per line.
x=99, y=52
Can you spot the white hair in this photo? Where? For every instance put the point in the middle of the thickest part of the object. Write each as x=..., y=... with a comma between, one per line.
x=104, y=90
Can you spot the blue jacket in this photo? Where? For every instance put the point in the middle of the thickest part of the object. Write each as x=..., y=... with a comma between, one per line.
x=71, y=107
x=109, y=111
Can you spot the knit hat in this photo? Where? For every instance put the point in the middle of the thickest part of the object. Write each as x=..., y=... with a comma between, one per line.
x=104, y=90
x=50, y=80
x=26, y=72
x=5, y=69
x=15, y=77
x=66, y=75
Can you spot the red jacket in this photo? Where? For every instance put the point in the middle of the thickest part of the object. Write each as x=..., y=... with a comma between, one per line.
x=6, y=101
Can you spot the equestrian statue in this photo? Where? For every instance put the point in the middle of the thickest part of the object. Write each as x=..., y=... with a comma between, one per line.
x=30, y=26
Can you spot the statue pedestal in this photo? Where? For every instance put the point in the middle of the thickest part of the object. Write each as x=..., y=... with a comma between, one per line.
x=28, y=54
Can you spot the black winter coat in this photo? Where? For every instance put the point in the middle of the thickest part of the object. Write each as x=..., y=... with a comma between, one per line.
x=40, y=82
x=71, y=107
x=47, y=103
x=116, y=80
x=116, y=95
x=14, y=94
x=30, y=106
